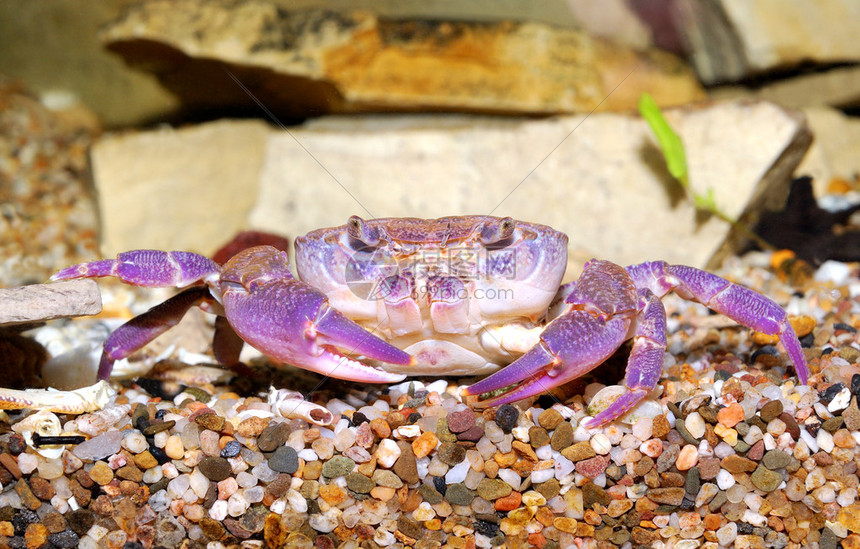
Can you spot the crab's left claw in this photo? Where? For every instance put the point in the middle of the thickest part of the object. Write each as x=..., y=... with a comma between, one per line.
x=571, y=345
x=290, y=321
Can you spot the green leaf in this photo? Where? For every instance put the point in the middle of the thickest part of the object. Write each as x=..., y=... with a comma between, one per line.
x=669, y=141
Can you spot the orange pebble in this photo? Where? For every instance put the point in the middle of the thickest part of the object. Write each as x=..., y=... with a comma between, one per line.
x=509, y=502
x=731, y=415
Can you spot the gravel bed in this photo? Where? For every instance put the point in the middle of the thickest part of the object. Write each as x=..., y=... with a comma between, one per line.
x=729, y=452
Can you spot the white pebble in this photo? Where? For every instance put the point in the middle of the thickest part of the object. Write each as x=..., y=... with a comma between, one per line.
x=254, y=494
x=513, y=478
x=810, y=441
x=387, y=453
x=457, y=473
x=199, y=483
x=237, y=505
x=297, y=501
x=218, y=511
x=824, y=440
x=544, y=452
x=324, y=522
x=152, y=475
x=308, y=455
x=601, y=445
x=246, y=480
x=176, y=488
x=541, y=475
x=135, y=442
x=725, y=480
x=695, y=425
x=840, y=401
x=27, y=463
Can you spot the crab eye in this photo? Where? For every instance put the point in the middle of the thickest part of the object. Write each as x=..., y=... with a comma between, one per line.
x=497, y=232
x=359, y=231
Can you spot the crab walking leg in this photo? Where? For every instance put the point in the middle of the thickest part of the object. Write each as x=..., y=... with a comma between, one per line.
x=140, y=330
x=645, y=363
x=148, y=268
x=739, y=303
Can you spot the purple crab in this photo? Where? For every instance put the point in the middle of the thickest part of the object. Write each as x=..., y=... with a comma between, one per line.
x=376, y=300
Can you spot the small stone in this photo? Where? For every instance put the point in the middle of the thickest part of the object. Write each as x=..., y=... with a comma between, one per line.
x=284, y=460
x=338, y=466
x=41, y=488
x=101, y=473
x=157, y=427
x=592, y=493
x=430, y=494
x=550, y=419
x=36, y=535
x=579, y=451
x=252, y=427
x=145, y=460
x=211, y=421
x=667, y=496
x=473, y=434
x=332, y=494
x=770, y=411
x=660, y=426
x=493, y=488
x=506, y=417
x=592, y=467
x=387, y=453
x=451, y=453
x=359, y=483
x=386, y=479
x=461, y=420
x=509, y=502
x=687, y=458
x=424, y=444
x=756, y=451
x=405, y=466
x=538, y=437
x=765, y=480
x=458, y=494
x=215, y=468
x=731, y=415
x=99, y=447
x=231, y=449
x=776, y=459
x=273, y=436
x=738, y=464
x=562, y=437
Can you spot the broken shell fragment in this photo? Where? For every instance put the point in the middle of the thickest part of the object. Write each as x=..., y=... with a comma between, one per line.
x=86, y=399
x=42, y=424
x=608, y=395
x=290, y=404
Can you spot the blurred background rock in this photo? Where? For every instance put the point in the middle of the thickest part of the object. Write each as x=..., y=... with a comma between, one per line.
x=168, y=116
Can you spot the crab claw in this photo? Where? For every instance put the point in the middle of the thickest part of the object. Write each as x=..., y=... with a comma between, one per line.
x=571, y=345
x=289, y=321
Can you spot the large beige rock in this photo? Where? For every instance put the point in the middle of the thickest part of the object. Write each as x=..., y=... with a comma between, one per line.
x=220, y=53
x=733, y=39
x=601, y=180
x=834, y=152
x=187, y=189
x=40, y=302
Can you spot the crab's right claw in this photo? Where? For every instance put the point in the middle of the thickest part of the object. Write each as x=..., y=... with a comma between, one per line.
x=292, y=322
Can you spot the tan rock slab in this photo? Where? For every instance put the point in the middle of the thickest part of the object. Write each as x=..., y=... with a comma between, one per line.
x=600, y=180
x=39, y=302
x=732, y=39
x=219, y=53
x=186, y=189
x=834, y=151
